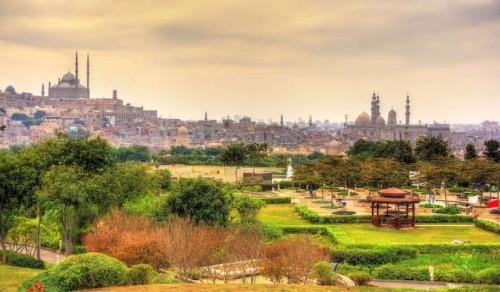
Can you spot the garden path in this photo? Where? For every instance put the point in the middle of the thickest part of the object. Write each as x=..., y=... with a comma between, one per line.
x=47, y=255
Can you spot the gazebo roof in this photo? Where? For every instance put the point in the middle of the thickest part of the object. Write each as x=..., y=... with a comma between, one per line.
x=394, y=196
x=403, y=200
x=393, y=193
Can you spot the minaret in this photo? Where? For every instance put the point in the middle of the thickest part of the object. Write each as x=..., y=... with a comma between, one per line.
x=407, y=114
x=374, y=108
x=378, y=107
x=43, y=90
x=48, y=90
x=206, y=116
x=76, y=69
x=310, y=121
x=281, y=121
x=88, y=74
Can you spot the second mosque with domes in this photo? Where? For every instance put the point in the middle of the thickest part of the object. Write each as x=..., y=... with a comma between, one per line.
x=374, y=127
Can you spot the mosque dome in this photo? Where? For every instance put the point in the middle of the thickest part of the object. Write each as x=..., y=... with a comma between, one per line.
x=68, y=77
x=392, y=118
x=380, y=121
x=363, y=120
x=10, y=89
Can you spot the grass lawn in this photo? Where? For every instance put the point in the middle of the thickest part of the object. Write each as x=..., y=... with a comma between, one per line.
x=280, y=214
x=366, y=233
x=11, y=277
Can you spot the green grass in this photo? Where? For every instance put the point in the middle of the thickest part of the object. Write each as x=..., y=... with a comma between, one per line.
x=280, y=214
x=11, y=277
x=369, y=234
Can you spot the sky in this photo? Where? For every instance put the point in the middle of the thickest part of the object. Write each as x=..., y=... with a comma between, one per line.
x=265, y=58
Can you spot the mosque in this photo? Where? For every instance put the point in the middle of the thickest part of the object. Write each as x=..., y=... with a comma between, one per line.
x=375, y=128
x=69, y=87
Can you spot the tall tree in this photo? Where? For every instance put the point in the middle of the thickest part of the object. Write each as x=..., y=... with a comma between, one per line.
x=235, y=155
x=10, y=198
x=201, y=200
x=255, y=153
x=431, y=148
x=470, y=152
x=492, y=150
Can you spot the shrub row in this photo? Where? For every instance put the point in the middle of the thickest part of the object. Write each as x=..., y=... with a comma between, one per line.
x=490, y=276
x=395, y=272
x=313, y=217
x=373, y=256
x=278, y=200
x=321, y=230
x=23, y=260
x=488, y=225
x=436, y=248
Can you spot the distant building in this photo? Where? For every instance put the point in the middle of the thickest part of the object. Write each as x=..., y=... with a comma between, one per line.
x=69, y=85
x=375, y=128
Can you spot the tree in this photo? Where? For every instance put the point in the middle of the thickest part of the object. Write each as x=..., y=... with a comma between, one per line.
x=431, y=148
x=248, y=207
x=293, y=258
x=255, y=152
x=164, y=178
x=62, y=190
x=470, y=152
x=135, y=153
x=201, y=200
x=492, y=150
x=443, y=172
x=234, y=154
x=10, y=198
x=384, y=173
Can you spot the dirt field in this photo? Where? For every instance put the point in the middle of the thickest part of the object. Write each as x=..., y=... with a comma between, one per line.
x=223, y=173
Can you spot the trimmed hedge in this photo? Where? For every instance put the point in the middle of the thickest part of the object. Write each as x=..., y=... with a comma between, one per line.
x=84, y=271
x=488, y=225
x=313, y=217
x=436, y=248
x=394, y=272
x=23, y=260
x=278, y=200
x=321, y=230
x=374, y=256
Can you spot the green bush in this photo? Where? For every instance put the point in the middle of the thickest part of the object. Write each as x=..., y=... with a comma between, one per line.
x=487, y=225
x=448, y=210
x=323, y=272
x=272, y=232
x=394, y=272
x=140, y=274
x=360, y=278
x=489, y=276
x=85, y=271
x=454, y=275
x=277, y=200
x=23, y=260
x=376, y=255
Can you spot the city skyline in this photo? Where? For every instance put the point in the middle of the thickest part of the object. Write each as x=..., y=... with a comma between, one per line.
x=292, y=58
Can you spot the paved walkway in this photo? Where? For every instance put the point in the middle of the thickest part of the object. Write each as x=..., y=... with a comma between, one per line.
x=47, y=255
x=403, y=284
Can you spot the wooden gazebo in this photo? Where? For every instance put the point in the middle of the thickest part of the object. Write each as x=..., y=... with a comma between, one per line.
x=394, y=208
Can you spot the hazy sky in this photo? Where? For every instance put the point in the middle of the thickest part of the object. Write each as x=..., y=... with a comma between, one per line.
x=264, y=58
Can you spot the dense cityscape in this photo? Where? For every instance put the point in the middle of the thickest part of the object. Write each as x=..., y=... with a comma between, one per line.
x=66, y=106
